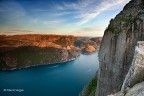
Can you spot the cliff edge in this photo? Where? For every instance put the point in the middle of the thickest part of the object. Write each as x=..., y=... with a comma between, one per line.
x=118, y=47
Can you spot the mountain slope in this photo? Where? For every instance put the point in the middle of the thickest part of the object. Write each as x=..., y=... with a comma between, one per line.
x=20, y=51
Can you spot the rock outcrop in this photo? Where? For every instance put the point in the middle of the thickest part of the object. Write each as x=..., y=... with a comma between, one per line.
x=136, y=72
x=118, y=47
x=89, y=49
x=135, y=75
x=136, y=90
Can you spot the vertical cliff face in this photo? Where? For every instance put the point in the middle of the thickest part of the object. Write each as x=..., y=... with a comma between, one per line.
x=117, y=48
x=135, y=74
x=133, y=84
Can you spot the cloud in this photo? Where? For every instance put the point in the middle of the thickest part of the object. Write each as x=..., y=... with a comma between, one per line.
x=11, y=12
x=89, y=31
x=90, y=9
x=13, y=8
x=14, y=31
x=66, y=13
x=18, y=30
x=51, y=22
x=39, y=10
x=79, y=5
x=59, y=7
x=62, y=16
x=34, y=20
x=94, y=12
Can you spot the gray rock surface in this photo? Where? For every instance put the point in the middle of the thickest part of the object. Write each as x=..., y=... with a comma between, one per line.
x=137, y=90
x=135, y=73
x=118, y=47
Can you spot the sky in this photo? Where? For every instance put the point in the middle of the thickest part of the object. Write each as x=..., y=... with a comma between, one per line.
x=62, y=17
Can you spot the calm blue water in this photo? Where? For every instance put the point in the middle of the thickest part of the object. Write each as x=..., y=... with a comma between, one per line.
x=65, y=79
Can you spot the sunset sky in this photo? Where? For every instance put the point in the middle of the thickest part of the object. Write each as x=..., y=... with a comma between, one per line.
x=64, y=17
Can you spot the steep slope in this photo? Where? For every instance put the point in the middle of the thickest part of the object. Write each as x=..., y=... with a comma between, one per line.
x=117, y=48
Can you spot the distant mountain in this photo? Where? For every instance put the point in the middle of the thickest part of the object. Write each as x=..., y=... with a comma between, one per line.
x=88, y=45
x=19, y=51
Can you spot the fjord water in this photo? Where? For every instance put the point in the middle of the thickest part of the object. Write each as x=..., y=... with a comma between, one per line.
x=63, y=79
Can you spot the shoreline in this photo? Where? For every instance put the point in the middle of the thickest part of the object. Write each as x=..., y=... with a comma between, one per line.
x=47, y=63
x=40, y=64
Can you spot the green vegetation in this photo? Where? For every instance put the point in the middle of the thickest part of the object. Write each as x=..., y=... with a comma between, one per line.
x=18, y=51
x=27, y=56
x=31, y=55
x=91, y=88
x=113, y=29
x=128, y=19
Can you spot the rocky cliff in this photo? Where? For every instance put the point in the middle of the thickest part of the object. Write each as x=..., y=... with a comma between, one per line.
x=135, y=75
x=118, y=47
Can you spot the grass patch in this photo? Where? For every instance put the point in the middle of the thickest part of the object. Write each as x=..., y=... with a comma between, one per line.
x=90, y=89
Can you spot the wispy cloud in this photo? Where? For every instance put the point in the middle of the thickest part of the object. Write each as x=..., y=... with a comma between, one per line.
x=13, y=8
x=18, y=30
x=39, y=10
x=79, y=5
x=62, y=16
x=51, y=22
x=11, y=12
x=15, y=31
x=89, y=9
x=90, y=31
x=95, y=11
x=66, y=13
x=59, y=7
